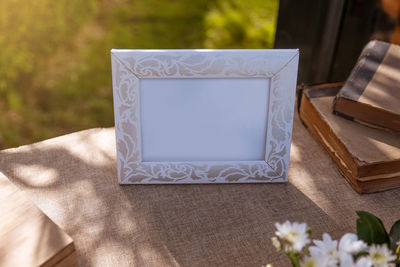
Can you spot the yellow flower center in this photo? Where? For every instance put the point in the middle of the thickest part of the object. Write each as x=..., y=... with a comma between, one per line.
x=378, y=257
x=310, y=263
x=293, y=235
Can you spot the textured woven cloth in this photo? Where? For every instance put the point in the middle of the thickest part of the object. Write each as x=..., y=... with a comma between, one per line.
x=73, y=179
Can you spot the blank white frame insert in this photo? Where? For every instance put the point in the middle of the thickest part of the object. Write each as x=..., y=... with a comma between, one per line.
x=203, y=119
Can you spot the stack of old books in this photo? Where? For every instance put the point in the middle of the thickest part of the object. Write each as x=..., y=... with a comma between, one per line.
x=358, y=121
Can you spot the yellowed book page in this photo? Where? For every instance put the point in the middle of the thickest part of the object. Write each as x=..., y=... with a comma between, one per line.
x=365, y=143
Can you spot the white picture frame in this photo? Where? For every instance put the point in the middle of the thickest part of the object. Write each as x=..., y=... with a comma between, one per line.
x=132, y=68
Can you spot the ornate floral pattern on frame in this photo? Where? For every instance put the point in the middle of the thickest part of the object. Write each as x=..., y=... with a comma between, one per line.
x=129, y=66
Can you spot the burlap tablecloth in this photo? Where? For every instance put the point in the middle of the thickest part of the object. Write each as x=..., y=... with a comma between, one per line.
x=73, y=179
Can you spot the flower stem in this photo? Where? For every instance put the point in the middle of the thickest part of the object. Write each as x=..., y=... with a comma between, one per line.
x=293, y=259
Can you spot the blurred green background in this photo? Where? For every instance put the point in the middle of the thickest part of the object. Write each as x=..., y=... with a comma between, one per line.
x=55, y=75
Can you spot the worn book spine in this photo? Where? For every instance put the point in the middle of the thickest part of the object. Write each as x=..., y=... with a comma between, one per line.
x=354, y=100
x=367, y=64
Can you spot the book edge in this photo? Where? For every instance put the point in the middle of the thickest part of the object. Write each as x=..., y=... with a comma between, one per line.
x=364, y=184
x=360, y=76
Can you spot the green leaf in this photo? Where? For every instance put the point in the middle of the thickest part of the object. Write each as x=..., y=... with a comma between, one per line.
x=395, y=235
x=370, y=229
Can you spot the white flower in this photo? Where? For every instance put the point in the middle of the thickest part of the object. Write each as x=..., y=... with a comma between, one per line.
x=326, y=245
x=349, y=243
x=315, y=261
x=346, y=260
x=326, y=248
x=295, y=235
x=276, y=243
x=309, y=262
x=381, y=256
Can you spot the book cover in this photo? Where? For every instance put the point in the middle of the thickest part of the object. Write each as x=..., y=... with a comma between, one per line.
x=371, y=95
x=368, y=158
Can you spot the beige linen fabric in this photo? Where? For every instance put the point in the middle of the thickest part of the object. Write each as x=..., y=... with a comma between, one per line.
x=73, y=180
